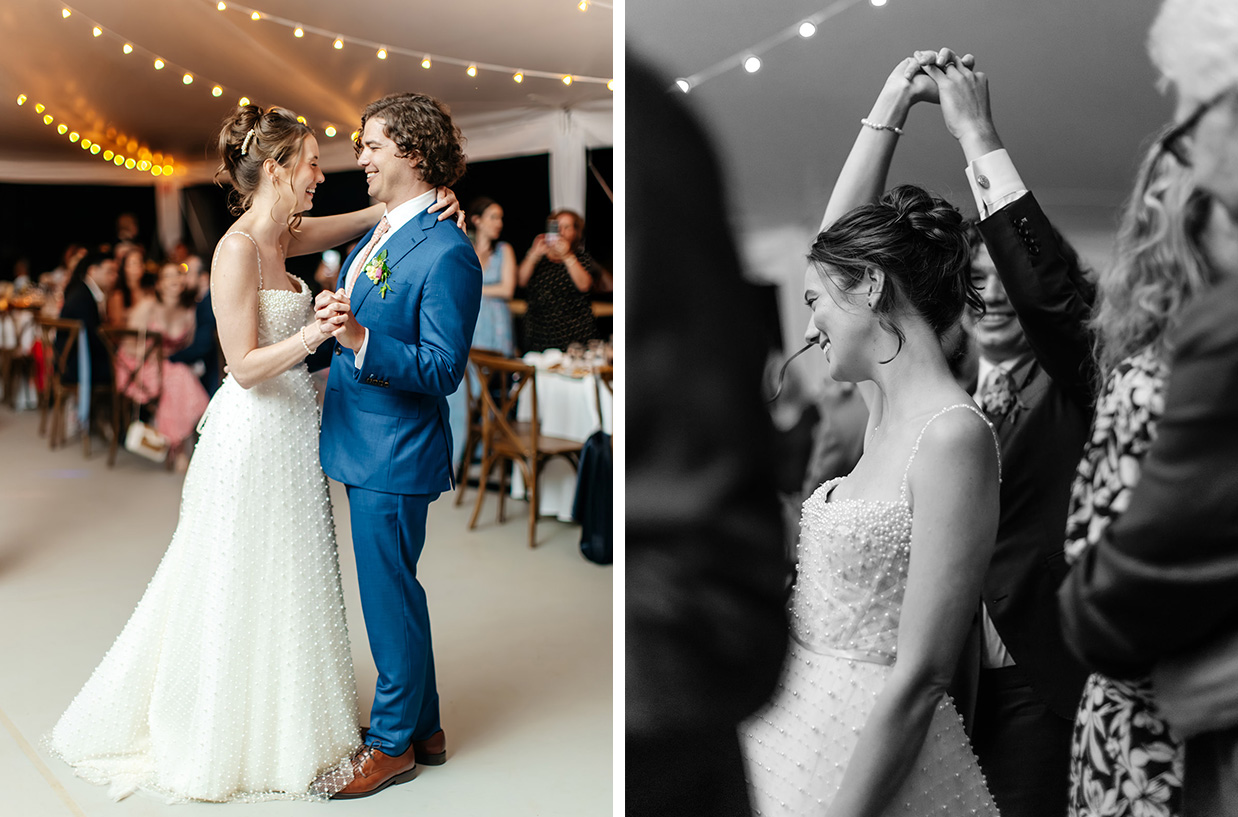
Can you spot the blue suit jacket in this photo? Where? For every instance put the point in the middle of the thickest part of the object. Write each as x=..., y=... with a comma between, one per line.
x=385, y=425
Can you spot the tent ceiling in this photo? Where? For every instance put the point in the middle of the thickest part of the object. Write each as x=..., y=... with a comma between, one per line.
x=1073, y=92
x=90, y=84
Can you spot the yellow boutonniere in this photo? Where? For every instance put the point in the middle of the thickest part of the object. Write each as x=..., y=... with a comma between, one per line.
x=378, y=272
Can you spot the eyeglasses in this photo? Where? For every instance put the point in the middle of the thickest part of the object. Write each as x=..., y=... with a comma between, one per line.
x=1173, y=142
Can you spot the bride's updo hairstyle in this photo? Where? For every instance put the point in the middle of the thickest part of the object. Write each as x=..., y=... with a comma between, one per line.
x=921, y=244
x=248, y=138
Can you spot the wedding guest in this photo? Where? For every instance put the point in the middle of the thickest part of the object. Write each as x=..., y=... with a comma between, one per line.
x=85, y=300
x=558, y=276
x=202, y=352
x=131, y=288
x=484, y=220
x=1160, y=587
x=182, y=398
x=1159, y=271
x=1035, y=383
x=706, y=628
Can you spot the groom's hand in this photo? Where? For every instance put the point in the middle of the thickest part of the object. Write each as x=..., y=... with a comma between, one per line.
x=964, y=95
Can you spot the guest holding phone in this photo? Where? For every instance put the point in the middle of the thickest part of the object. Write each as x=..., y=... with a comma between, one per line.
x=559, y=276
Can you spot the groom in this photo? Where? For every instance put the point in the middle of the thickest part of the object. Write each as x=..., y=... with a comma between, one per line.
x=408, y=302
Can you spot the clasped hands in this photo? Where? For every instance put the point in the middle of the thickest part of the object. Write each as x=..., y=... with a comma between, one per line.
x=950, y=80
x=334, y=318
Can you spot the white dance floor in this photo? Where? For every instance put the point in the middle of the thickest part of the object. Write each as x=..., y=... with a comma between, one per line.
x=522, y=639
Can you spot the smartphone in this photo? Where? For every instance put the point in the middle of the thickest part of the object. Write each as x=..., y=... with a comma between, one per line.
x=552, y=230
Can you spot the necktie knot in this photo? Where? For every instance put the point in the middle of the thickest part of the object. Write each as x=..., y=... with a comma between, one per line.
x=363, y=257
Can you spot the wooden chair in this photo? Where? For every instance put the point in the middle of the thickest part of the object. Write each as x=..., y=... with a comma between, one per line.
x=144, y=355
x=502, y=382
x=472, y=423
x=58, y=391
x=603, y=377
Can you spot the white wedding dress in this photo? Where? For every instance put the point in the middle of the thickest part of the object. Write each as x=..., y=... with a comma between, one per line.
x=845, y=608
x=233, y=679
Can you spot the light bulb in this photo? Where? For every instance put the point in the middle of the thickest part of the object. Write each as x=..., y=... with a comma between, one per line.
x=143, y=165
x=217, y=91
x=243, y=101
x=21, y=99
x=62, y=129
x=47, y=119
x=338, y=43
x=38, y=107
x=167, y=170
x=118, y=160
x=107, y=155
x=382, y=54
x=65, y=13
x=472, y=72
x=156, y=171
x=301, y=119
x=96, y=31
x=807, y=29
x=518, y=77
x=878, y=3
x=583, y=5
x=684, y=85
x=130, y=164
x=158, y=64
x=255, y=16
x=86, y=143
x=425, y=63
x=221, y=5
x=187, y=79
x=74, y=136
x=752, y=64
x=610, y=86
x=128, y=49
x=330, y=131
x=298, y=32
x=353, y=136
x=567, y=79
x=94, y=149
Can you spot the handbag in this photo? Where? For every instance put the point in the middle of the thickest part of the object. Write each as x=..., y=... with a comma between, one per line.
x=140, y=438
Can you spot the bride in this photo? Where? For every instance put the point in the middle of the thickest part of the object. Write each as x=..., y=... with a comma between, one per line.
x=233, y=678
x=891, y=557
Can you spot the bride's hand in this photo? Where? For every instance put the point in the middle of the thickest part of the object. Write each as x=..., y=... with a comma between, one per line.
x=446, y=201
x=907, y=81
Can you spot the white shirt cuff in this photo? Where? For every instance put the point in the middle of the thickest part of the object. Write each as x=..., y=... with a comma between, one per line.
x=360, y=359
x=994, y=182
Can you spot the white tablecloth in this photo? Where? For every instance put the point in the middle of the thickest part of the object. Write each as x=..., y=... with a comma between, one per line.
x=567, y=408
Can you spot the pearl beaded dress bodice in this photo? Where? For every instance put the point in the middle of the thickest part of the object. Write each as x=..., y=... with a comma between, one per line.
x=851, y=574
x=282, y=312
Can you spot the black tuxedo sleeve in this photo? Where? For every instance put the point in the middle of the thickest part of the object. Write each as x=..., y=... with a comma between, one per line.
x=1049, y=292
x=1164, y=577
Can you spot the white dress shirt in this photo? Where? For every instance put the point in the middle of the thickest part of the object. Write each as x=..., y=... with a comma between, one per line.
x=397, y=218
x=994, y=182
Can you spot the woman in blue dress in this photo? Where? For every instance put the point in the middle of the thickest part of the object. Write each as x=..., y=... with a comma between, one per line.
x=498, y=282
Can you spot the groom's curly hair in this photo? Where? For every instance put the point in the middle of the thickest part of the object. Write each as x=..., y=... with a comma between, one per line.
x=421, y=126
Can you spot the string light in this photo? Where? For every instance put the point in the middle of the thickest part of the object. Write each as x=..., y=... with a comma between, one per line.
x=255, y=16
x=62, y=129
x=74, y=136
x=107, y=155
x=159, y=64
x=301, y=119
x=128, y=49
x=382, y=53
x=610, y=86
x=749, y=59
x=518, y=77
x=21, y=99
x=65, y=13
x=156, y=171
x=425, y=63
x=221, y=5
x=330, y=131
x=567, y=79
x=127, y=143
x=243, y=101
x=187, y=79
x=338, y=44
x=472, y=72
x=299, y=33
x=48, y=119
x=97, y=31
x=217, y=91
x=94, y=149
x=86, y=143
x=583, y=5
x=878, y=3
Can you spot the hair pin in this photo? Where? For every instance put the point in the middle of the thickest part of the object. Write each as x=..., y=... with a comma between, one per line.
x=245, y=144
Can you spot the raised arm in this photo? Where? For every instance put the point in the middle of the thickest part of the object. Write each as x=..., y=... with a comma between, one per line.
x=321, y=233
x=954, y=485
x=529, y=263
x=234, y=296
x=863, y=176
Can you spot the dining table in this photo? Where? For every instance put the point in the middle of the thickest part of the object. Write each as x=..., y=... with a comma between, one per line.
x=567, y=407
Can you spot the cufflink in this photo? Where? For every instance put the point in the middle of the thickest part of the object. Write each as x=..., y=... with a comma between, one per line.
x=983, y=181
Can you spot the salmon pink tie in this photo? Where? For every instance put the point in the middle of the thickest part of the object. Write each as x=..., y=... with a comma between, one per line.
x=364, y=257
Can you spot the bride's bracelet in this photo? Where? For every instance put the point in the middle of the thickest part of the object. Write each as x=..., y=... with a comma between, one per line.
x=308, y=351
x=868, y=123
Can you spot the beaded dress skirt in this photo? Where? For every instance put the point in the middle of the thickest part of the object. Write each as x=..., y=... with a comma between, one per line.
x=845, y=607
x=233, y=678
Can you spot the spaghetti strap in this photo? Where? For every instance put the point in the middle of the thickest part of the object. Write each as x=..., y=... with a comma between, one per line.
x=252, y=241
x=916, y=448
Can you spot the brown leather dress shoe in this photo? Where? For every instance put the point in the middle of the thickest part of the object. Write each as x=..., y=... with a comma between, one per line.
x=432, y=751
x=429, y=752
x=374, y=771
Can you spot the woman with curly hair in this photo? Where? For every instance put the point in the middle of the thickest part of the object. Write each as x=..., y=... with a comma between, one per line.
x=1124, y=759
